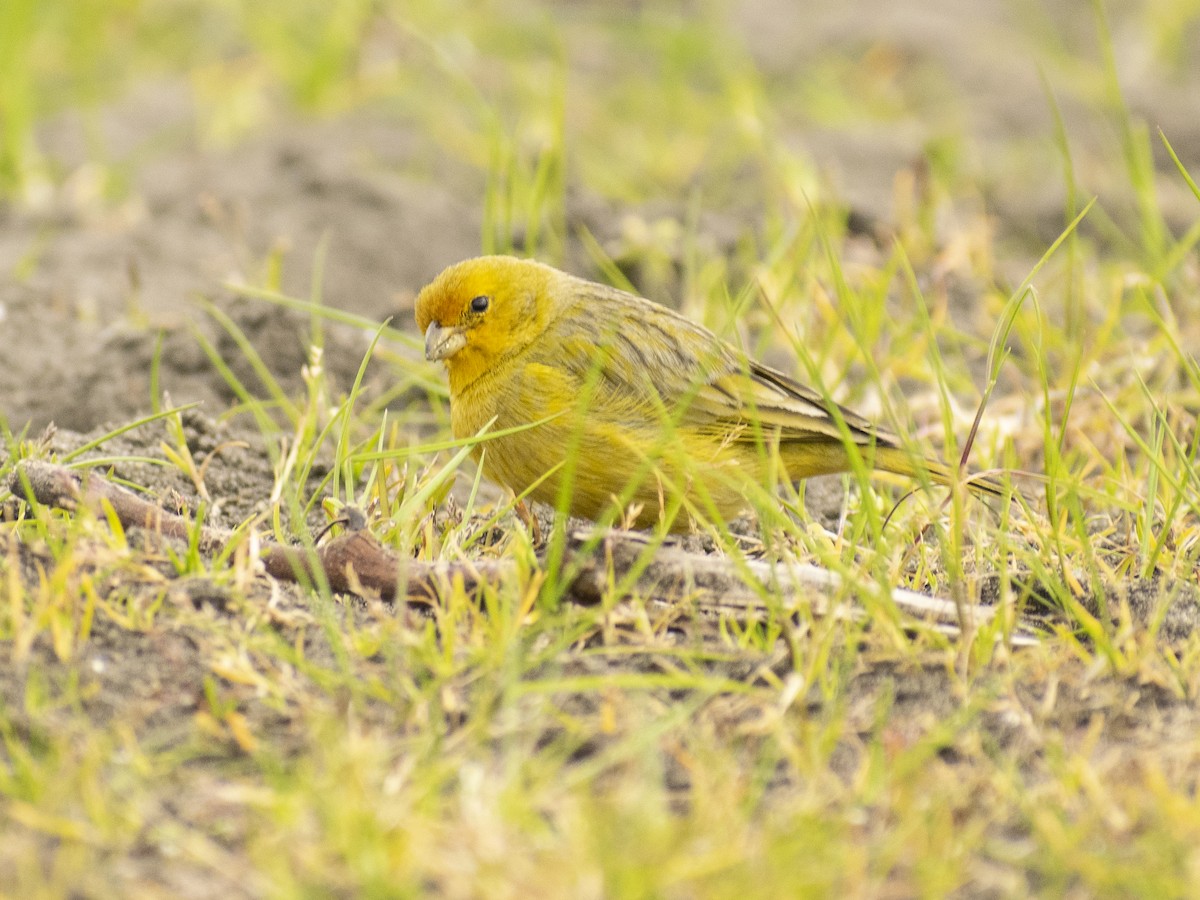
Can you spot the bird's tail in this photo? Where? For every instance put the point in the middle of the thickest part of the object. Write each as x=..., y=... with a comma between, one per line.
x=900, y=462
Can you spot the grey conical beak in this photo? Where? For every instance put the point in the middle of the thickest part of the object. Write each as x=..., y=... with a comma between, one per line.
x=441, y=342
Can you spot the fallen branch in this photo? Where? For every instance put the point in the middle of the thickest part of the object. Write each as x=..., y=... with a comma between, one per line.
x=351, y=563
x=618, y=566
x=716, y=585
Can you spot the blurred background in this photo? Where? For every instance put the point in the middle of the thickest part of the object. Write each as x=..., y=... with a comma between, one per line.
x=154, y=150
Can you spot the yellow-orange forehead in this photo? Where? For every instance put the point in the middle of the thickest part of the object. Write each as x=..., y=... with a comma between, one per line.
x=445, y=299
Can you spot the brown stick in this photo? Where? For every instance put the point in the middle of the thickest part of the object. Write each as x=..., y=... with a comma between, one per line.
x=619, y=566
x=353, y=562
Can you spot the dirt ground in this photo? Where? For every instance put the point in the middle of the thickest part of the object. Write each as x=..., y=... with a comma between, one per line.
x=90, y=287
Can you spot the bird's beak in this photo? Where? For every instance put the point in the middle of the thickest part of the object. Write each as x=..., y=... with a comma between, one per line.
x=442, y=342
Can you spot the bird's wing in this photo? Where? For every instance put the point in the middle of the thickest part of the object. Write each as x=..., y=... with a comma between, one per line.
x=767, y=396
x=642, y=357
x=629, y=349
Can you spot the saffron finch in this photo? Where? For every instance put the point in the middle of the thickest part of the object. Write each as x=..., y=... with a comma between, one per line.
x=629, y=402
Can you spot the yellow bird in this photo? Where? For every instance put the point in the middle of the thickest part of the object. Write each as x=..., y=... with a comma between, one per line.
x=631, y=404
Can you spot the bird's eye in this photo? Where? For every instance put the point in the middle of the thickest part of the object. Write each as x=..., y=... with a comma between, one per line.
x=480, y=304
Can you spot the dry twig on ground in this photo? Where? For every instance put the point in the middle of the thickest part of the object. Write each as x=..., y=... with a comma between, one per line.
x=618, y=566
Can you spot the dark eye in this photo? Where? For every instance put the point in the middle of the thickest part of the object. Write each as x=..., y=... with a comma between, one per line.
x=480, y=304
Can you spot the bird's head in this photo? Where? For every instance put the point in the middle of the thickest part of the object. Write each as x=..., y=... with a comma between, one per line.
x=481, y=310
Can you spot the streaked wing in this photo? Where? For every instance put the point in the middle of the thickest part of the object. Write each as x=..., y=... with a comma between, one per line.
x=649, y=355
x=639, y=350
x=780, y=400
